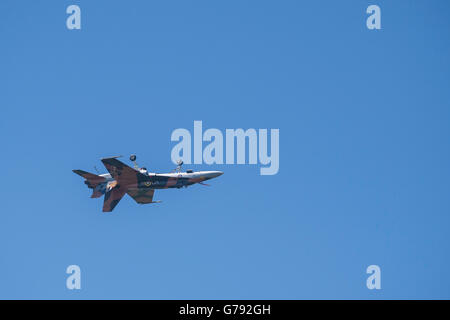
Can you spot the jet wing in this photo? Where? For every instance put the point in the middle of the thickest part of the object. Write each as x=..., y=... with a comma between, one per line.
x=123, y=174
x=141, y=195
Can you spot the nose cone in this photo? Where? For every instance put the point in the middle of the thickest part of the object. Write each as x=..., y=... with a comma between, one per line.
x=212, y=174
x=217, y=174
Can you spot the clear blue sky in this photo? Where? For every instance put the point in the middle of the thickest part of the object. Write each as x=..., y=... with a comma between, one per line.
x=364, y=148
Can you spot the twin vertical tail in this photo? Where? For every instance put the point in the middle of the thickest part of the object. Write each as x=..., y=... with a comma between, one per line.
x=93, y=181
x=122, y=179
x=112, y=191
x=112, y=197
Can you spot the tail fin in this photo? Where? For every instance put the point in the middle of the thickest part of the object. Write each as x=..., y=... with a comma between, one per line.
x=93, y=181
x=112, y=198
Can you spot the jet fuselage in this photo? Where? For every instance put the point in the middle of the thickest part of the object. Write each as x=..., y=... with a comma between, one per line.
x=168, y=180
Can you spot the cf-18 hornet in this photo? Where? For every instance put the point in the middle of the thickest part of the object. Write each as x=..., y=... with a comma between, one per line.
x=137, y=182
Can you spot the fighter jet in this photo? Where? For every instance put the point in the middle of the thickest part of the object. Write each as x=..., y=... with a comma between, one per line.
x=137, y=182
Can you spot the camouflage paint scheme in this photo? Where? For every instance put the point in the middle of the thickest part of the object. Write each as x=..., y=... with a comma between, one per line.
x=138, y=184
